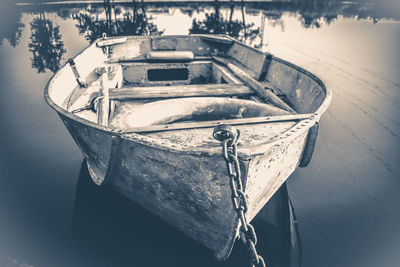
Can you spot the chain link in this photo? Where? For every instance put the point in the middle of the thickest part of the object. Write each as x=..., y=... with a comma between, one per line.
x=228, y=137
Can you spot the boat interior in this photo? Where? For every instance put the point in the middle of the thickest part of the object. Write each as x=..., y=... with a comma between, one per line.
x=164, y=83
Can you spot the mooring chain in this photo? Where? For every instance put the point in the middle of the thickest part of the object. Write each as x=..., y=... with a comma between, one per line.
x=228, y=137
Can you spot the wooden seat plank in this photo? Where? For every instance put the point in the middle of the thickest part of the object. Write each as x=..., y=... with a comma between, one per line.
x=210, y=124
x=179, y=91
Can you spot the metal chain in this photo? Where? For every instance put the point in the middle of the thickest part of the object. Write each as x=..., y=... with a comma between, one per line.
x=228, y=137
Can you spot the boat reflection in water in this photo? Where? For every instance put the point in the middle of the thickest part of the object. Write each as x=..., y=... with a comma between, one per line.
x=111, y=230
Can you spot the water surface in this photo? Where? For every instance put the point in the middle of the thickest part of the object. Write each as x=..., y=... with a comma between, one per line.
x=346, y=200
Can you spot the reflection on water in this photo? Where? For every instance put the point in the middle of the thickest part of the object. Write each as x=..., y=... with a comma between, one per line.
x=12, y=27
x=216, y=23
x=133, y=19
x=45, y=44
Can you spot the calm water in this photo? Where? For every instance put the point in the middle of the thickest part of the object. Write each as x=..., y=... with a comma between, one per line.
x=347, y=200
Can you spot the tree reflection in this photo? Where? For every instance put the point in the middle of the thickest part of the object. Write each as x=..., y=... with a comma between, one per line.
x=313, y=14
x=11, y=26
x=117, y=21
x=215, y=23
x=45, y=44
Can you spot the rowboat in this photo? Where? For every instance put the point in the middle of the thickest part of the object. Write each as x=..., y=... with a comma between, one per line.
x=150, y=115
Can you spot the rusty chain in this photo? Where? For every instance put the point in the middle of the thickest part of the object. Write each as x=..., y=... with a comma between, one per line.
x=228, y=136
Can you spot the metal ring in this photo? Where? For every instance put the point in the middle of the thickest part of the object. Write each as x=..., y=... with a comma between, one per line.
x=71, y=62
x=223, y=132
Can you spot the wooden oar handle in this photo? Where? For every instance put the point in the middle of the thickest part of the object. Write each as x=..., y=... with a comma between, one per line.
x=255, y=85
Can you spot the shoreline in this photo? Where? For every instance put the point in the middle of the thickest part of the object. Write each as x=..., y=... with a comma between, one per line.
x=67, y=2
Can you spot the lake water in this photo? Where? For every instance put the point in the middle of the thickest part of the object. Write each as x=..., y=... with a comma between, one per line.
x=346, y=200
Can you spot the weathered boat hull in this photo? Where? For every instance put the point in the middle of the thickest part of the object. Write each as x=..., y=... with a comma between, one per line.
x=188, y=186
x=188, y=190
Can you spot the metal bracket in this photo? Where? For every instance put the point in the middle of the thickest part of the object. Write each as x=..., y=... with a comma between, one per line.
x=81, y=82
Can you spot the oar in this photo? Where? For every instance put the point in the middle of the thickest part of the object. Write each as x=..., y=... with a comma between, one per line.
x=255, y=85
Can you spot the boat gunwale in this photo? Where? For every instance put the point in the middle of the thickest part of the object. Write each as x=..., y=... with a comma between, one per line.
x=243, y=152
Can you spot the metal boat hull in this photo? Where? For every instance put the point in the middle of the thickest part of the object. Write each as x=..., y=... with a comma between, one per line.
x=187, y=190
x=188, y=186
